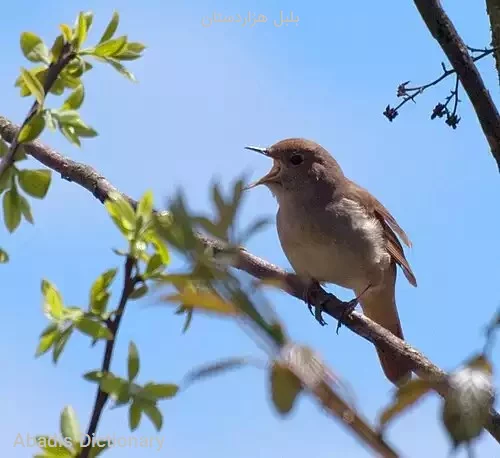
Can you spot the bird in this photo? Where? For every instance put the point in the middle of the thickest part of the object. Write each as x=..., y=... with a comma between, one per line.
x=334, y=231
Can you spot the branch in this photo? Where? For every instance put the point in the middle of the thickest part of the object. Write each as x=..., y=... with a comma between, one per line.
x=100, y=187
x=443, y=30
x=53, y=71
x=411, y=93
x=101, y=396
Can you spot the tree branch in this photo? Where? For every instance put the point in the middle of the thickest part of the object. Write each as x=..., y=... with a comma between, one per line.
x=100, y=187
x=101, y=396
x=443, y=30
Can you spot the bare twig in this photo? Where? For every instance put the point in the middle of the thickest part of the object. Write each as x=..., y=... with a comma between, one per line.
x=53, y=71
x=129, y=283
x=411, y=93
x=443, y=30
x=100, y=187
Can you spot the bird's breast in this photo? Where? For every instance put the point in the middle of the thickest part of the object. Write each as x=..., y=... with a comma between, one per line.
x=337, y=243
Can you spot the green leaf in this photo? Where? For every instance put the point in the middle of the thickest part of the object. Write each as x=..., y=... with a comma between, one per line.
x=93, y=328
x=70, y=427
x=4, y=256
x=84, y=131
x=53, y=304
x=35, y=182
x=132, y=361
x=120, y=222
x=154, y=414
x=47, y=339
x=285, y=387
x=131, y=52
x=160, y=248
x=120, y=68
x=57, y=48
x=33, y=85
x=69, y=80
x=135, y=47
x=80, y=31
x=89, y=17
x=93, y=376
x=139, y=292
x=33, y=48
x=127, y=55
x=116, y=387
x=52, y=448
x=69, y=133
x=67, y=32
x=11, y=210
x=75, y=100
x=39, y=72
x=110, y=48
x=25, y=209
x=134, y=415
x=6, y=178
x=406, y=396
x=121, y=211
x=154, y=265
x=161, y=390
x=20, y=154
x=61, y=343
x=145, y=206
x=69, y=118
x=204, y=301
x=99, y=294
x=32, y=129
x=76, y=67
x=111, y=28
x=58, y=87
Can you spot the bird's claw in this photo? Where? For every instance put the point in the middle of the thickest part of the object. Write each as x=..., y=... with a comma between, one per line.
x=318, y=309
x=348, y=308
x=317, y=313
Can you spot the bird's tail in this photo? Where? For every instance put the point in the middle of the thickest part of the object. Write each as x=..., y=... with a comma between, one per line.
x=379, y=305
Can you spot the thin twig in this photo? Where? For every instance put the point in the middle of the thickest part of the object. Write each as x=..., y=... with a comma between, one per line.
x=102, y=397
x=410, y=93
x=87, y=177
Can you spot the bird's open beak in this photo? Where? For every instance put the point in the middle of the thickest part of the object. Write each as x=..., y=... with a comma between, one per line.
x=272, y=176
x=259, y=149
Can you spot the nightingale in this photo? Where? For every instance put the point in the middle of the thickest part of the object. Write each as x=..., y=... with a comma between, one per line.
x=334, y=231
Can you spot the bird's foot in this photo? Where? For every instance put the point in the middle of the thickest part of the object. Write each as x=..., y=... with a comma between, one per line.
x=318, y=309
x=348, y=308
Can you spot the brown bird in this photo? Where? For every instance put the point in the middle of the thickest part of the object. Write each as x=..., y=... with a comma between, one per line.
x=334, y=231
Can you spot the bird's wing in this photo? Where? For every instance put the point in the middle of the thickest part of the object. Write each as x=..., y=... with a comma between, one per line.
x=390, y=226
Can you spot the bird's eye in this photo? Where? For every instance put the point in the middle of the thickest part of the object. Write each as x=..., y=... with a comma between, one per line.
x=296, y=159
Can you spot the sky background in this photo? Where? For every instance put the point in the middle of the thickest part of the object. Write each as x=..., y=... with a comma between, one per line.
x=203, y=94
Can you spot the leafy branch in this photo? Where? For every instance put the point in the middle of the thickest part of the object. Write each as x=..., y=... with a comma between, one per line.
x=99, y=323
x=59, y=69
x=129, y=283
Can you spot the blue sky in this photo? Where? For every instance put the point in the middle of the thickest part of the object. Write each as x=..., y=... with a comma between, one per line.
x=203, y=94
